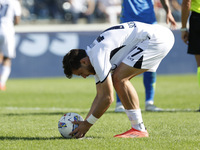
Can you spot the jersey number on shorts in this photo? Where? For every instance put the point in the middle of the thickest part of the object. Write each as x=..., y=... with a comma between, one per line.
x=138, y=58
x=3, y=10
x=139, y=51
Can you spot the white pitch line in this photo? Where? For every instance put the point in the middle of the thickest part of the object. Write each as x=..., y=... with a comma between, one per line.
x=80, y=109
x=47, y=109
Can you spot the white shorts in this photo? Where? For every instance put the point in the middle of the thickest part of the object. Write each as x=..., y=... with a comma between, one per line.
x=149, y=53
x=7, y=45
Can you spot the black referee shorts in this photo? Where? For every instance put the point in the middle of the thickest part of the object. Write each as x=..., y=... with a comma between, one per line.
x=194, y=34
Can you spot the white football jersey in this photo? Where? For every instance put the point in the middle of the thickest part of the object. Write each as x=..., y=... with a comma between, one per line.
x=114, y=44
x=9, y=9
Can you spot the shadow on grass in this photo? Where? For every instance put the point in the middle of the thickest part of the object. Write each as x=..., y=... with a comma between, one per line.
x=28, y=138
x=41, y=138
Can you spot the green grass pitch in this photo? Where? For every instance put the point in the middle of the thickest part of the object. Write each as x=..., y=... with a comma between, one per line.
x=30, y=110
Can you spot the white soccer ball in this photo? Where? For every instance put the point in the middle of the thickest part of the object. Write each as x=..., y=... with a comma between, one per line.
x=65, y=125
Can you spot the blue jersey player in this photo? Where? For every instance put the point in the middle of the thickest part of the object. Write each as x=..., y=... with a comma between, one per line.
x=143, y=11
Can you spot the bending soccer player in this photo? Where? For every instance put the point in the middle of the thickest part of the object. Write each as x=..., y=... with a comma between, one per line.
x=116, y=56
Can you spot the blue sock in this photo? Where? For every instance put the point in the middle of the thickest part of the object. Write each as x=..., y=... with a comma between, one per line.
x=149, y=80
x=118, y=100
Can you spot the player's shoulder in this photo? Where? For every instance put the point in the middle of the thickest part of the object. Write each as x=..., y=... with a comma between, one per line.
x=13, y=3
x=17, y=7
x=16, y=2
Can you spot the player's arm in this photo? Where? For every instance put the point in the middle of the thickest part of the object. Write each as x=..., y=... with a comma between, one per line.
x=91, y=7
x=169, y=17
x=103, y=99
x=185, y=9
x=95, y=102
x=101, y=103
x=17, y=12
x=17, y=20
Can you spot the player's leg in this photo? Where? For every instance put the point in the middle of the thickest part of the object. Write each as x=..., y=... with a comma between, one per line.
x=193, y=45
x=1, y=60
x=1, y=54
x=121, y=82
x=149, y=80
x=129, y=99
x=128, y=94
x=5, y=72
x=8, y=51
x=197, y=57
x=1, y=68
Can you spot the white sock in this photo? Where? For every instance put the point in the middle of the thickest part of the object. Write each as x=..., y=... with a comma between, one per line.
x=135, y=116
x=5, y=72
x=149, y=102
x=118, y=104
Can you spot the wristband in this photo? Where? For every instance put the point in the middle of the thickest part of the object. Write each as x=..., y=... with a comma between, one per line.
x=92, y=119
x=183, y=29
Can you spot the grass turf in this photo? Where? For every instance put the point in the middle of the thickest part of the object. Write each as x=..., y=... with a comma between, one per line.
x=31, y=108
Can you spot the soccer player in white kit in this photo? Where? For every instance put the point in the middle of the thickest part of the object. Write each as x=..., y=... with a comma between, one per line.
x=117, y=55
x=10, y=12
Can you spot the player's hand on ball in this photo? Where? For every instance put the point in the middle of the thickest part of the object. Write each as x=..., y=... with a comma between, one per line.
x=81, y=130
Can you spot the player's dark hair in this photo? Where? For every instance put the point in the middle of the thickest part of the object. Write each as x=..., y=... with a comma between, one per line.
x=71, y=61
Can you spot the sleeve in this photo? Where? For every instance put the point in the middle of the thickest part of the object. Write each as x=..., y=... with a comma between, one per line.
x=96, y=79
x=100, y=60
x=17, y=7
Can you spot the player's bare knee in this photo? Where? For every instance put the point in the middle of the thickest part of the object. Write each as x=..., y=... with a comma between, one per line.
x=110, y=100
x=6, y=61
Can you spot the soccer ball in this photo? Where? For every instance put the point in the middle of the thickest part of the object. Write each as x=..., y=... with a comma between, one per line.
x=65, y=125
